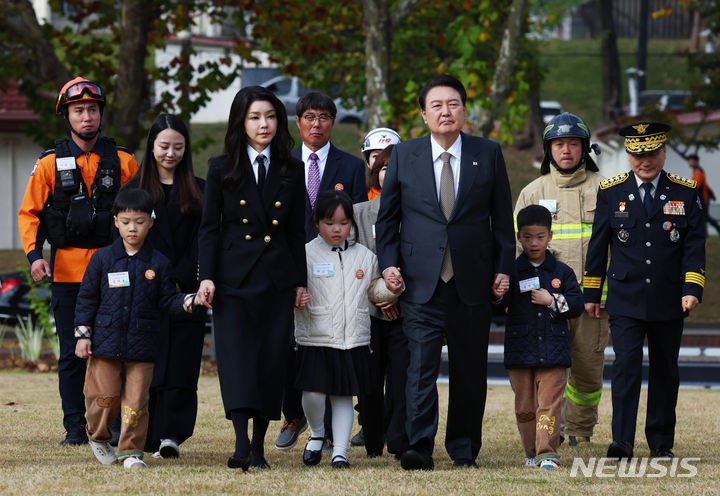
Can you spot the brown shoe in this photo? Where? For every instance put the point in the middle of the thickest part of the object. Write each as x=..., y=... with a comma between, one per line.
x=289, y=433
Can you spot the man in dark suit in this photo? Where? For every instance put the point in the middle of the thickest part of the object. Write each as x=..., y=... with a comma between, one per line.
x=652, y=221
x=326, y=168
x=450, y=191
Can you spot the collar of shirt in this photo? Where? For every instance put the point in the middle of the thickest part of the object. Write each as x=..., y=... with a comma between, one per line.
x=253, y=154
x=454, y=150
x=77, y=151
x=322, y=154
x=654, y=183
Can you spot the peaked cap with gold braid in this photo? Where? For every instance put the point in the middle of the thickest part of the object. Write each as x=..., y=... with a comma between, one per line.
x=644, y=137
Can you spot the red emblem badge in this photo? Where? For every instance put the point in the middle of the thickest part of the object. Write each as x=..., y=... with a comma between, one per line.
x=150, y=274
x=359, y=274
x=667, y=225
x=556, y=283
x=339, y=187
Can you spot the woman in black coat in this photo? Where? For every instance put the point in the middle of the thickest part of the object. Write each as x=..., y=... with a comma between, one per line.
x=252, y=258
x=167, y=174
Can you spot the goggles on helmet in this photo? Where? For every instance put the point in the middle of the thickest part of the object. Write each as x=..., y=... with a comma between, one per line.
x=82, y=90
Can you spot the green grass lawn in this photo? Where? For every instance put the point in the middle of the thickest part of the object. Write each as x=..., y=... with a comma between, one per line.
x=32, y=463
x=573, y=71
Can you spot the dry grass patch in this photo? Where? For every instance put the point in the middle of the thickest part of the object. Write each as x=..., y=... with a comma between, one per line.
x=32, y=463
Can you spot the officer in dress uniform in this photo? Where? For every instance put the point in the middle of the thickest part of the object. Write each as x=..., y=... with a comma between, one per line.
x=652, y=221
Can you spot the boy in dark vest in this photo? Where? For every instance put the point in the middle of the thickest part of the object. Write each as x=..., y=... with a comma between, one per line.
x=68, y=202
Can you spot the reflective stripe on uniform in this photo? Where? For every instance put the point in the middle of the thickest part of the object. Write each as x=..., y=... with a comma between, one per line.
x=604, y=292
x=590, y=399
x=572, y=231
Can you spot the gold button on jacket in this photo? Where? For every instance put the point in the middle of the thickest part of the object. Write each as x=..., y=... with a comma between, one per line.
x=248, y=237
x=267, y=239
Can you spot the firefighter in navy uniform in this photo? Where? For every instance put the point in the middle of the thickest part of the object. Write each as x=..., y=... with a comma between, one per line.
x=68, y=202
x=652, y=221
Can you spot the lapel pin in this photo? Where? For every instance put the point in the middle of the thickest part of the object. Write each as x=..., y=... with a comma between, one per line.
x=662, y=197
x=474, y=163
x=631, y=197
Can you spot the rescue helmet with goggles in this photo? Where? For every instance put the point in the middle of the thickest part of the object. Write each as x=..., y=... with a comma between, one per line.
x=79, y=89
x=379, y=139
x=567, y=125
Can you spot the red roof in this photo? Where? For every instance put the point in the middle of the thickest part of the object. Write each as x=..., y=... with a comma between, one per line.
x=13, y=108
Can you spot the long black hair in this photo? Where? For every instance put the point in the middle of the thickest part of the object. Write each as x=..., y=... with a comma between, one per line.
x=184, y=186
x=236, y=138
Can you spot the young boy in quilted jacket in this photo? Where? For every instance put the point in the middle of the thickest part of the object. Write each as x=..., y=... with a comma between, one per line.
x=117, y=318
x=543, y=294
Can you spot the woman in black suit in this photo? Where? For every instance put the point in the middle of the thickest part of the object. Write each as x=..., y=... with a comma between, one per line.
x=252, y=257
x=167, y=174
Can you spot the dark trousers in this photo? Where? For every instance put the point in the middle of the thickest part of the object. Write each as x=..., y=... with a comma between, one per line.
x=383, y=412
x=173, y=393
x=71, y=369
x=663, y=381
x=466, y=328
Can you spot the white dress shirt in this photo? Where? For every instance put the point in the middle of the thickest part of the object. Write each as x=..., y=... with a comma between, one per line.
x=253, y=154
x=322, y=154
x=454, y=150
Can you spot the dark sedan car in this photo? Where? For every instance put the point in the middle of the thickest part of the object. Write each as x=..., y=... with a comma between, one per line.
x=14, y=297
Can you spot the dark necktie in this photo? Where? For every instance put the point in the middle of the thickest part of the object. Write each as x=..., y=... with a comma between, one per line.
x=313, y=184
x=647, y=201
x=447, y=202
x=261, y=172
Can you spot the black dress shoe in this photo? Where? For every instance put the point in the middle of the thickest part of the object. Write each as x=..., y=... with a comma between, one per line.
x=243, y=463
x=414, y=460
x=465, y=463
x=312, y=457
x=620, y=449
x=662, y=453
x=259, y=463
x=340, y=462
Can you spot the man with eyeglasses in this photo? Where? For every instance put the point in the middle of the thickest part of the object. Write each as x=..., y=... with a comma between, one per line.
x=68, y=202
x=326, y=168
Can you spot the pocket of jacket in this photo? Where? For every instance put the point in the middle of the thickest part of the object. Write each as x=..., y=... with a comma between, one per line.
x=362, y=321
x=320, y=322
x=103, y=320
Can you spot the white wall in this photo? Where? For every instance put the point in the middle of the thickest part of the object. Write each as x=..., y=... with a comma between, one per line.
x=17, y=158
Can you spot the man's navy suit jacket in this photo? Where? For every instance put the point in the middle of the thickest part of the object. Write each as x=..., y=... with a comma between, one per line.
x=480, y=230
x=343, y=171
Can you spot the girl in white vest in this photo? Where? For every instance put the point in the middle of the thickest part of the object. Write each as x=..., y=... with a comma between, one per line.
x=332, y=324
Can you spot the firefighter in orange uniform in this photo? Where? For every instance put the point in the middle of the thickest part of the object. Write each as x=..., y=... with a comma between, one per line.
x=68, y=202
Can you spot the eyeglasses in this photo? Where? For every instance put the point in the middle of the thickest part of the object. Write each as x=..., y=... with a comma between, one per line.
x=312, y=118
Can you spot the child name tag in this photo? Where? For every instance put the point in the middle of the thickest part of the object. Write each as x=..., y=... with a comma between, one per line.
x=529, y=284
x=550, y=205
x=118, y=279
x=65, y=163
x=323, y=270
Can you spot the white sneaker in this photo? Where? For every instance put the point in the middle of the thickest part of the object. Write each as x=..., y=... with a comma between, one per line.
x=169, y=448
x=134, y=462
x=530, y=462
x=103, y=452
x=156, y=455
x=548, y=464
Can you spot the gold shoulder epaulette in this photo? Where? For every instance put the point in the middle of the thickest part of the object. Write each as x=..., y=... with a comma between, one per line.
x=612, y=181
x=677, y=178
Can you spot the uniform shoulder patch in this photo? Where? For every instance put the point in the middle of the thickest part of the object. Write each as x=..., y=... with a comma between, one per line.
x=46, y=153
x=612, y=181
x=677, y=178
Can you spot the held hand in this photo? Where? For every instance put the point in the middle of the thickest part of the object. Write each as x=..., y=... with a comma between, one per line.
x=83, y=348
x=389, y=309
x=394, y=284
x=302, y=297
x=593, y=310
x=39, y=270
x=541, y=297
x=201, y=302
x=206, y=293
x=501, y=285
x=392, y=273
x=689, y=302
